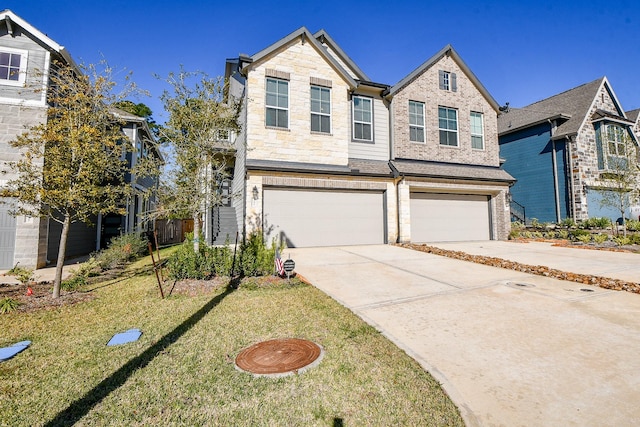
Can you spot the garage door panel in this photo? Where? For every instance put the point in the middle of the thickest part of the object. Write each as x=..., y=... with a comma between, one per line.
x=449, y=217
x=306, y=218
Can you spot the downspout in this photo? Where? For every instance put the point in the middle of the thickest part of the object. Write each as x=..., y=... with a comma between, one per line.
x=397, y=178
x=571, y=182
x=554, y=162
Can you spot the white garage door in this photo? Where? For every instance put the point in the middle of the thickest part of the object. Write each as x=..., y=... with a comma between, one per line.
x=324, y=218
x=7, y=238
x=449, y=217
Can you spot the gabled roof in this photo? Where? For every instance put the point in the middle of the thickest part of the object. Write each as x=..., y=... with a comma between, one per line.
x=307, y=37
x=10, y=19
x=448, y=50
x=324, y=38
x=573, y=104
x=633, y=115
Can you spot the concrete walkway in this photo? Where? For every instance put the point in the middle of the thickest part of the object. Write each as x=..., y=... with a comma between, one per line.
x=510, y=348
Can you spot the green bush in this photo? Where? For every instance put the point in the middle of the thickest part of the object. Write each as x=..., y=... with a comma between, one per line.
x=600, y=238
x=122, y=249
x=621, y=240
x=550, y=235
x=73, y=283
x=222, y=259
x=24, y=275
x=8, y=304
x=535, y=223
x=584, y=238
x=568, y=223
x=634, y=238
x=598, y=223
x=185, y=263
x=633, y=225
x=563, y=234
x=255, y=258
x=578, y=233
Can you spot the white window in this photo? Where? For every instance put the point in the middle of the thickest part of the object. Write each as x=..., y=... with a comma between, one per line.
x=477, y=131
x=362, y=119
x=277, y=103
x=13, y=66
x=616, y=147
x=416, y=121
x=447, y=81
x=320, y=109
x=448, y=126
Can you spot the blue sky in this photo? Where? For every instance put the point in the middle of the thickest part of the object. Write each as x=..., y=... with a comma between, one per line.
x=522, y=51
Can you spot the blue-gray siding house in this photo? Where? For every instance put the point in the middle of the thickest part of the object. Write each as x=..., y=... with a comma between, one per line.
x=562, y=149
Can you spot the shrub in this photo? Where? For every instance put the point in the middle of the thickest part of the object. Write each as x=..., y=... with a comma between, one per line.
x=599, y=223
x=24, y=275
x=577, y=233
x=74, y=282
x=550, y=235
x=535, y=223
x=568, y=223
x=255, y=258
x=563, y=234
x=185, y=263
x=634, y=238
x=8, y=305
x=222, y=260
x=121, y=250
x=633, y=225
x=621, y=240
x=600, y=238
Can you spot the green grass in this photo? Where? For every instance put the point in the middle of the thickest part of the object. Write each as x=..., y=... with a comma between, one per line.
x=181, y=371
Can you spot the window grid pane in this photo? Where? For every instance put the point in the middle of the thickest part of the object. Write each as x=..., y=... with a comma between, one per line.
x=277, y=103
x=416, y=121
x=320, y=109
x=477, y=131
x=448, y=126
x=362, y=123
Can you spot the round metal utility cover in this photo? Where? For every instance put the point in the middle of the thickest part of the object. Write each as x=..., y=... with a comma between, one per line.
x=279, y=357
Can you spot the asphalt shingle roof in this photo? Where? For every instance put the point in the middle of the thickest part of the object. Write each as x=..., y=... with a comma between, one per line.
x=451, y=170
x=573, y=104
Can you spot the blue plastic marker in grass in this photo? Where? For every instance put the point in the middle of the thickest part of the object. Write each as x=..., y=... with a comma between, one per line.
x=125, y=337
x=9, y=352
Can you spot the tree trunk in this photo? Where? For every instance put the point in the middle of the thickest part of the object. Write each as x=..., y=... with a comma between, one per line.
x=196, y=232
x=61, y=254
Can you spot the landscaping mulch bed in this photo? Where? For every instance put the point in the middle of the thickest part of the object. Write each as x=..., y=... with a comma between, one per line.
x=195, y=287
x=42, y=296
x=603, y=282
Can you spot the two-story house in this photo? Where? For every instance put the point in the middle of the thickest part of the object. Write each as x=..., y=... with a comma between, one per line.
x=26, y=57
x=561, y=150
x=328, y=157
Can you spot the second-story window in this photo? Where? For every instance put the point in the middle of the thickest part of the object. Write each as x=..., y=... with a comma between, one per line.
x=448, y=126
x=362, y=119
x=320, y=109
x=416, y=121
x=477, y=131
x=277, y=103
x=12, y=66
x=447, y=81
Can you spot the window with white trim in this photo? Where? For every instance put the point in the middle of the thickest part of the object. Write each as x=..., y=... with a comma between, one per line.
x=416, y=121
x=362, y=118
x=448, y=126
x=320, y=109
x=13, y=66
x=477, y=131
x=616, y=147
x=277, y=103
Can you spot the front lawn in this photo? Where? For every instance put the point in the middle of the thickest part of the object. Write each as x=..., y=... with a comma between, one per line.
x=181, y=371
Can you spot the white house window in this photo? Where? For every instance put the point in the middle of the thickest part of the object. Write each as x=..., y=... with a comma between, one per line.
x=448, y=126
x=416, y=121
x=477, y=131
x=362, y=119
x=13, y=64
x=277, y=103
x=320, y=109
x=447, y=81
x=616, y=146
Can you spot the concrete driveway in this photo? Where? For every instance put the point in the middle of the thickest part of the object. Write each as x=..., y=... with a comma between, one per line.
x=510, y=348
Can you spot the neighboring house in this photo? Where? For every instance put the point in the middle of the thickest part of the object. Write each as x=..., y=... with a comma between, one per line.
x=561, y=149
x=327, y=157
x=33, y=242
